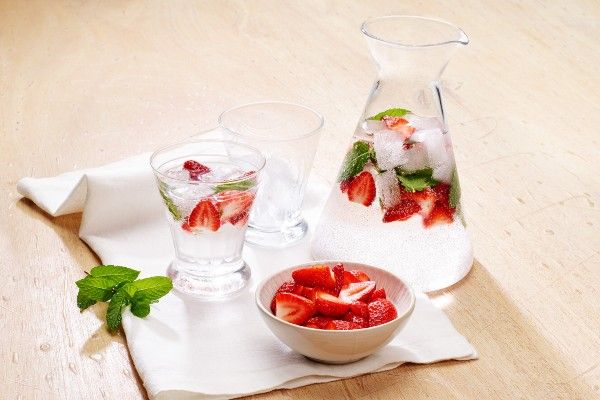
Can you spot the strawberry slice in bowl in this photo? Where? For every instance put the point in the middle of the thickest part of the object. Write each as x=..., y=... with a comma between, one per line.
x=338, y=331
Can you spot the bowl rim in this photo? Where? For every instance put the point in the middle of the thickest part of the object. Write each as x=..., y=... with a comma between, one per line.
x=262, y=308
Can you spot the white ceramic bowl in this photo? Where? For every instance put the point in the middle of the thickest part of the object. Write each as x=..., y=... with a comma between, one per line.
x=337, y=347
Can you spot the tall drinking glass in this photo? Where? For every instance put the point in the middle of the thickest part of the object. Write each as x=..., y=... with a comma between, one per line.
x=288, y=135
x=208, y=187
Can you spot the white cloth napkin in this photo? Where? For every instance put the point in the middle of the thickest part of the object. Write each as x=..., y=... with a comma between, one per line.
x=188, y=349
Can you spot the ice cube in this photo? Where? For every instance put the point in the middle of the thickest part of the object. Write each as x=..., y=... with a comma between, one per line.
x=422, y=123
x=388, y=189
x=389, y=149
x=439, y=155
x=417, y=157
x=371, y=126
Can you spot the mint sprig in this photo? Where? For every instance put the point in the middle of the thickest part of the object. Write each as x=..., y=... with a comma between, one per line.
x=359, y=154
x=392, y=112
x=162, y=188
x=118, y=286
x=454, y=190
x=237, y=185
x=416, y=181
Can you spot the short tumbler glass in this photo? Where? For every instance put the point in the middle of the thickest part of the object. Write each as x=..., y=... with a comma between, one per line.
x=288, y=135
x=208, y=188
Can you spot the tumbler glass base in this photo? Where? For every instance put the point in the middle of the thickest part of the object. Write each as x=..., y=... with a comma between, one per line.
x=277, y=239
x=215, y=287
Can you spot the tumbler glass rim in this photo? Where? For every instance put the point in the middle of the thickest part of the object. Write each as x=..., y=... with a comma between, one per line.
x=302, y=135
x=461, y=38
x=253, y=174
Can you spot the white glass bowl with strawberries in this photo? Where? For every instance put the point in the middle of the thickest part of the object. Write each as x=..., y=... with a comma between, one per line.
x=208, y=188
x=335, y=312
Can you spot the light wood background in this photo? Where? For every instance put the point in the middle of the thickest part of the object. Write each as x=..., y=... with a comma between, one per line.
x=83, y=83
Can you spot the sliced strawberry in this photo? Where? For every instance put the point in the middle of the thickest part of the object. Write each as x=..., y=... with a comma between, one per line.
x=350, y=317
x=315, y=276
x=195, y=169
x=338, y=273
x=204, y=216
x=381, y=311
x=234, y=206
x=362, y=189
x=309, y=293
x=355, y=276
x=360, y=309
x=287, y=287
x=399, y=125
x=293, y=308
x=358, y=291
x=401, y=211
x=185, y=225
x=439, y=214
x=378, y=294
x=340, y=325
x=330, y=305
x=344, y=185
x=393, y=122
x=318, y=322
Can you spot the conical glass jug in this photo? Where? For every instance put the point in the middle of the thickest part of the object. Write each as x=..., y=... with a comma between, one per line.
x=396, y=203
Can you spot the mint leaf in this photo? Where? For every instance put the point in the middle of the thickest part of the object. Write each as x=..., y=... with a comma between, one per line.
x=162, y=188
x=392, y=112
x=359, y=154
x=417, y=180
x=114, y=313
x=237, y=185
x=455, y=190
x=93, y=288
x=83, y=301
x=151, y=289
x=140, y=310
x=115, y=273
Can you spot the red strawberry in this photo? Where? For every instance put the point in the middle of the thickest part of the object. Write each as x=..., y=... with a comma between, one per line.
x=378, y=294
x=195, y=169
x=355, y=276
x=331, y=306
x=309, y=293
x=359, y=291
x=204, y=216
x=293, y=308
x=393, y=122
x=338, y=273
x=185, y=225
x=399, y=125
x=362, y=189
x=317, y=322
x=234, y=206
x=401, y=211
x=344, y=185
x=339, y=325
x=360, y=309
x=439, y=214
x=315, y=276
x=356, y=319
x=381, y=311
x=287, y=287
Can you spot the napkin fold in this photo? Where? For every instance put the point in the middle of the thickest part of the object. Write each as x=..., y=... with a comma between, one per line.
x=188, y=349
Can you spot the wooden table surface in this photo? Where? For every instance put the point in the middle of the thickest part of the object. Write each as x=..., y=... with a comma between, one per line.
x=85, y=83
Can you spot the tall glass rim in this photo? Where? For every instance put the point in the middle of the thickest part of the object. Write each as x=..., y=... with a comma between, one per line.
x=173, y=146
x=462, y=39
x=263, y=139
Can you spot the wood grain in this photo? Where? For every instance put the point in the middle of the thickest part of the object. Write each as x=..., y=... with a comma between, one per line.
x=85, y=83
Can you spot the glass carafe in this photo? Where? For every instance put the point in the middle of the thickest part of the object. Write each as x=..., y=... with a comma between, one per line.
x=396, y=202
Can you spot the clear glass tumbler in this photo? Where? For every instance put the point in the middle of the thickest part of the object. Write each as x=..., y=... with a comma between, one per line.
x=288, y=135
x=208, y=187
